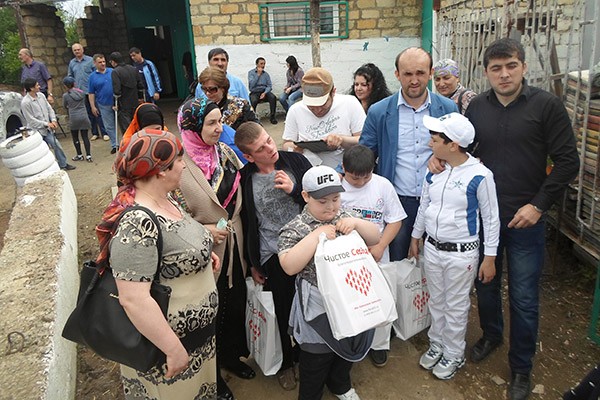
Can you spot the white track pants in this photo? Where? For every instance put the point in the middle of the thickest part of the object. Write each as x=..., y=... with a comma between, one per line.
x=450, y=277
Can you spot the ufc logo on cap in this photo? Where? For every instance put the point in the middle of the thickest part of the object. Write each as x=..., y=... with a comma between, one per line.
x=324, y=179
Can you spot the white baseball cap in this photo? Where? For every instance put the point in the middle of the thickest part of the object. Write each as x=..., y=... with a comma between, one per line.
x=456, y=126
x=320, y=181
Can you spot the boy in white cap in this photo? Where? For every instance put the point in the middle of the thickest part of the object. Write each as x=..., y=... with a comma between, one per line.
x=323, y=359
x=452, y=203
x=336, y=119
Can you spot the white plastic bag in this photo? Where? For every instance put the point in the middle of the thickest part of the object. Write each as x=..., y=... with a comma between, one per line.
x=356, y=295
x=412, y=298
x=262, y=332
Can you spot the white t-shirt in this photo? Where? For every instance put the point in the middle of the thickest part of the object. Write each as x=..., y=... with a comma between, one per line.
x=345, y=117
x=377, y=202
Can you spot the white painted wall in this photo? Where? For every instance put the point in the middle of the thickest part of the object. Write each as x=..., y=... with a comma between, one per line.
x=341, y=58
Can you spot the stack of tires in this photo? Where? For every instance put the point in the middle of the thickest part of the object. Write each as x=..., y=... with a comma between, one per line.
x=27, y=157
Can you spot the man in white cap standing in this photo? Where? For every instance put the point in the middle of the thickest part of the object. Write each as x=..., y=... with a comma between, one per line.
x=335, y=119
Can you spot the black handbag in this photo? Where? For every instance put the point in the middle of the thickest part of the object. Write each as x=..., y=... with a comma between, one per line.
x=100, y=322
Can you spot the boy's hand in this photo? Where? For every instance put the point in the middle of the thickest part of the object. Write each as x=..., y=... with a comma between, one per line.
x=487, y=270
x=283, y=182
x=346, y=225
x=377, y=251
x=329, y=231
x=413, y=250
x=436, y=165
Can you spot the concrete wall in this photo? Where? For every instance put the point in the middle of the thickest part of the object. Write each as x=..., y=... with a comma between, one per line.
x=38, y=290
x=341, y=58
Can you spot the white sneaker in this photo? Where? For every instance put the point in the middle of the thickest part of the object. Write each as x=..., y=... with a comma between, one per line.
x=447, y=367
x=349, y=395
x=106, y=138
x=431, y=357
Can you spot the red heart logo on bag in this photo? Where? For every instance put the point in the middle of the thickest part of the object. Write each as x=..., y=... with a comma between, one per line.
x=420, y=300
x=360, y=281
x=255, y=329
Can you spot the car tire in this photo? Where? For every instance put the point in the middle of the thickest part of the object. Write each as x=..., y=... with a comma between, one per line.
x=22, y=181
x=17, y=145
x=31, y=156
x=35, y=167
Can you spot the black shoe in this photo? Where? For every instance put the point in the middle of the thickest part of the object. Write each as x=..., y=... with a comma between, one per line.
x=274, y=120
x=520, y=387
x=483, y=348
x=68, y=167
x=379, y=357
x=113, y=151
x=241, y=370
x=223, y=391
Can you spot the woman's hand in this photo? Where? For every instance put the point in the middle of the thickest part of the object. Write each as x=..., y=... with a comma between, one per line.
x=219, y=235
x=216, y=263
x=177, y=361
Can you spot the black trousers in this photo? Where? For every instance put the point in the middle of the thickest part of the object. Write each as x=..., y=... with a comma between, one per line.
x=84, y=137
x=270, y=97
x=318, y=370
x=282, y=286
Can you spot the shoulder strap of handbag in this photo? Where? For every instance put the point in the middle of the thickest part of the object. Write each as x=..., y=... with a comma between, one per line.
x=159, y=240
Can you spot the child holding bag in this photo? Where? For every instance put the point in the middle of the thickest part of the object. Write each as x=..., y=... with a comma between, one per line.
x=323, y=359
x=452, y=203
x=74, y=102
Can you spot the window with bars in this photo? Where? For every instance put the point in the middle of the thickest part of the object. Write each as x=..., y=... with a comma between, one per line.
x=291, y=21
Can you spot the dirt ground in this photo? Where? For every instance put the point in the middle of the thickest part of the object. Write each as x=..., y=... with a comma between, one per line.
x=564, y=352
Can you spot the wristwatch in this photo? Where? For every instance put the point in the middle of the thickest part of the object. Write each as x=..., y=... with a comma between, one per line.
x=536, y=208
x=50, y=94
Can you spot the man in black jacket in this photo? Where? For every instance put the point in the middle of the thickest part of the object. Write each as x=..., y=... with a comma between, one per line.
x=126, y=84
x=272, y=191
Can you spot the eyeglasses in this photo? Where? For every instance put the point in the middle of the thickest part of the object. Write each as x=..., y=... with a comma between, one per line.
x=209, y=90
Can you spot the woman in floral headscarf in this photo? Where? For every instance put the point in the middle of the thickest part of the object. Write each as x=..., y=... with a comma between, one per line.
x=210, y=191
x=150, y=168
x=446, y=77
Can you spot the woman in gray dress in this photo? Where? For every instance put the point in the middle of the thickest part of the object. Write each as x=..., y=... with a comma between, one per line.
x=79, y=122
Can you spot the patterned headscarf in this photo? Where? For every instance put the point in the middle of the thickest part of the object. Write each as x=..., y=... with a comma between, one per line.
x=190, y=120
x=445, y=67
x=146, y=114
x=147, y=153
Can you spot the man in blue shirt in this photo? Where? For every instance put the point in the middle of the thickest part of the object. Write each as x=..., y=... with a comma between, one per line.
x=259, y=83
x=38, y=71
x=148, y=73
x=394, y=130
x=219, y=58
x=80, y=69
x=100, y=91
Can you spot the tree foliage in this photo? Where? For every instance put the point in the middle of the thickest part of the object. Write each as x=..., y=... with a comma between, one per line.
x=10, y=43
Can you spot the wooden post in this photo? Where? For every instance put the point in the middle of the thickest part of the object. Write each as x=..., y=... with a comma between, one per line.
x=315, y=32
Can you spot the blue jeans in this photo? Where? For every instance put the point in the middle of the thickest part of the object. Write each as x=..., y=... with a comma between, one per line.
x=59, y=153
x=287, y=100
x=399, y=246
x=108, y=118
x=525, y=256
x=96, y=122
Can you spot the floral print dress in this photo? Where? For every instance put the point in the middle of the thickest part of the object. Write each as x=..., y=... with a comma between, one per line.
x=187, y=269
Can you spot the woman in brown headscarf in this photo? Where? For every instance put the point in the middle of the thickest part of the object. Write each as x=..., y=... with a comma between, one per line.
x=150, y=168
x=210, y=191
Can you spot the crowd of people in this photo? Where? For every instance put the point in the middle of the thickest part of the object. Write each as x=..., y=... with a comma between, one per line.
x=454, y=177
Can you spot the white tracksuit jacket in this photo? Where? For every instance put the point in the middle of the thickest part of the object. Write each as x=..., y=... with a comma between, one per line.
x=451, y=203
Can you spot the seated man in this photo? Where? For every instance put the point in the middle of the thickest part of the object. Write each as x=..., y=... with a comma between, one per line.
x=39, y=115
x=259, y=83
x=323, y=115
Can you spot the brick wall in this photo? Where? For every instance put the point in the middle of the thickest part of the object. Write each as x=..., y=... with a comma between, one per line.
x=237, y=21
x=104, y=31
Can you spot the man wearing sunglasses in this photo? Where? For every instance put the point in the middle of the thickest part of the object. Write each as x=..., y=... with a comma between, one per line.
x=219, y=58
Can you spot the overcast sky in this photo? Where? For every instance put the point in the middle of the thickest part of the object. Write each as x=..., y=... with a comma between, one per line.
x=75, y=7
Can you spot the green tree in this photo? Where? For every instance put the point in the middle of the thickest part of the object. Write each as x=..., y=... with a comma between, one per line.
x=10, y=43
x=69, y=19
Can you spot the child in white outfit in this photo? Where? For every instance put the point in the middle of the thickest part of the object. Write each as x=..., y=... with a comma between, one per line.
x=452, y=203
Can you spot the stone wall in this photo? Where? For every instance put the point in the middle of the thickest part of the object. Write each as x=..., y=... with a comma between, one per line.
x=237, y=21
x=103, y=29
x=45, y=37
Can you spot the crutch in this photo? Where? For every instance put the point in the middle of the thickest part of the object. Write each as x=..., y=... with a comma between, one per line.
x=116, y=108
